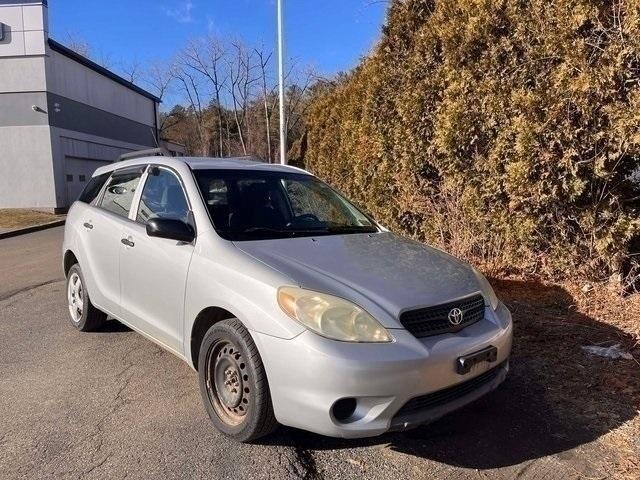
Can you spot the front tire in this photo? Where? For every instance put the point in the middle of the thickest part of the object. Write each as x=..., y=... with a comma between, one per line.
x=82, y=314
x=233, y=383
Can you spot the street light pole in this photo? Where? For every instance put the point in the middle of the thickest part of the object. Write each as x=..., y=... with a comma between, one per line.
x=283, y=132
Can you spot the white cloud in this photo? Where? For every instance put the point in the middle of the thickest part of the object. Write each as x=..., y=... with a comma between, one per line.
x=182, y=13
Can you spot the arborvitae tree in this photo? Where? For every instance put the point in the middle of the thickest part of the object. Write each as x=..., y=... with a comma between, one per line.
x=502, y=130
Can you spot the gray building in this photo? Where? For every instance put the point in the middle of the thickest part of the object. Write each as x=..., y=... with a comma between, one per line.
x=61, y=115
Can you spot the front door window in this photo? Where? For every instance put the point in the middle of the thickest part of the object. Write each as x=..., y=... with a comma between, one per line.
x=162, y=197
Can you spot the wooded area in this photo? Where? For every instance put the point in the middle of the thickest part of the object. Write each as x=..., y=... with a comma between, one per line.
x=231, y=102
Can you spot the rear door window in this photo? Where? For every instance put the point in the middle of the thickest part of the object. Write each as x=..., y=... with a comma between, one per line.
x=118, y=196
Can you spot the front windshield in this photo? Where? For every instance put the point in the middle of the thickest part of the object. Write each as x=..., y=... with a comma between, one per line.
x=254, y=205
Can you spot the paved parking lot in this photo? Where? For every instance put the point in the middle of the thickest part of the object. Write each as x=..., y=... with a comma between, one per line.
x=30, y=260
x=113, y=405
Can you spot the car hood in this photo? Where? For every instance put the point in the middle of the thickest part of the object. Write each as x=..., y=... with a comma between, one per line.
x=376, y=271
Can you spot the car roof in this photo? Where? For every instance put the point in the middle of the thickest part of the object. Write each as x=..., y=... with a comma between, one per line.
x=204, y=163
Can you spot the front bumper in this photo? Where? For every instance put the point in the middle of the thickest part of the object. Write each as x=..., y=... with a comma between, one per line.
x=309, y=373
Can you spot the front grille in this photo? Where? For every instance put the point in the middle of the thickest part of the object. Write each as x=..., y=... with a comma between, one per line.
x=442, y=397
x=425, y=322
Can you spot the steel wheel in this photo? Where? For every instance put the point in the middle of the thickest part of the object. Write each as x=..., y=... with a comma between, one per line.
x=233, y=382
x=75, y=297
x=228, y=383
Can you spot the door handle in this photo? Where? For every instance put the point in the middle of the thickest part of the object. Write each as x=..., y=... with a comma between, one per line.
x=127, y=242
x=88, y=225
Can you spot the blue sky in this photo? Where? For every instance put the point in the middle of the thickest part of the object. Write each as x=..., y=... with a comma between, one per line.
x=330, y=35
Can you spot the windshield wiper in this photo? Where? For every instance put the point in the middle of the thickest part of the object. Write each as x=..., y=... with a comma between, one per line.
x=294, y=232
x=263, y=230
x=351, y=229
x=282, y=231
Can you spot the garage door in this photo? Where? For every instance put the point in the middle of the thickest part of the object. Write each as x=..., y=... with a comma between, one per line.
x=77, y=172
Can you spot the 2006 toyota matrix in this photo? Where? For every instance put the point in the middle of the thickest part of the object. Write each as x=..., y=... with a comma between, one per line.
x=292, y=304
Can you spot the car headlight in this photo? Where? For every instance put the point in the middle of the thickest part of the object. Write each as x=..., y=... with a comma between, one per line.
x=487, y=289
x=330, y=316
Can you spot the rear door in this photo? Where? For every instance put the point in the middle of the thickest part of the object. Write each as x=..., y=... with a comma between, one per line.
x=154, y=270
x=103, y=226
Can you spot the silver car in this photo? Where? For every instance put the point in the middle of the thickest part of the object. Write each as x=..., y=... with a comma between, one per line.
x=294, y=306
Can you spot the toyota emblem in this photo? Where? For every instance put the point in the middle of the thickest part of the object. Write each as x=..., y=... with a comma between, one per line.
x=455, y=317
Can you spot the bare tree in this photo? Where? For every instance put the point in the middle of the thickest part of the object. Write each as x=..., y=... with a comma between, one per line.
x=205, y=57
x=190, y=86
x=159, y=76
x=240, y=70
x=229, y=85
x=296, y=106
x=216, y=53
x=78, y=44
x=82, y=47
x=131, y=71
x=263, y=60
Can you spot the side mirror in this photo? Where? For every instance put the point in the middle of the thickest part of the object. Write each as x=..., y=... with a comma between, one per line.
x=170, y=229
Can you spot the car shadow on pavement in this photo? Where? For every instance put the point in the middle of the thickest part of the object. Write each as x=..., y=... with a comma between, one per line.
x=112, y=326
x=555, y=398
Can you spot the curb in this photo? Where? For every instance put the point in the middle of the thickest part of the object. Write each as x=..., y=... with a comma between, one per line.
x=34, y=228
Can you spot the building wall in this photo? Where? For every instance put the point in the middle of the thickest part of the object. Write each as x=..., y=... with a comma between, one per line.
x=69, y=79
x=21, y=74
x=93, y=120
x=27, y=179
x=25, y=22
x=26, y=171
x=59, y=119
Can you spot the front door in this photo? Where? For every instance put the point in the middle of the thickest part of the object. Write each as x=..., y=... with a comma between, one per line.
x=153, y=271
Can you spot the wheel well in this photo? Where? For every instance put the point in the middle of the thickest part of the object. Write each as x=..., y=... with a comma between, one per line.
x=69, y=261
x=204, y=321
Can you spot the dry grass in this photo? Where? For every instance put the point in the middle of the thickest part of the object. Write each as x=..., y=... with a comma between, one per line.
x=13, y=218
x=608, y=307
x=598, y=397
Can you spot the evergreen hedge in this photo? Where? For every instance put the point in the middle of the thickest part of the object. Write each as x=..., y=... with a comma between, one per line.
x=504, y=131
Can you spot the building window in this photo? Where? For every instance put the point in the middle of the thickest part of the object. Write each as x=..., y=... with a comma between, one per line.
x=69, y=178
x=82, y=178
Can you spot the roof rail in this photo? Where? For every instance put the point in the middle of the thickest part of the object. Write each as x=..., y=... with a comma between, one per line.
x=152, y=152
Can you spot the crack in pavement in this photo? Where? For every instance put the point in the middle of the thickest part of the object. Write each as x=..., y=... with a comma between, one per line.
x=96, y=466
x=96, y=436
x=13, y=293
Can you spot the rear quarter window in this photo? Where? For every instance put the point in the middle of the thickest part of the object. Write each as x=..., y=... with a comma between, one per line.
x=93, y=188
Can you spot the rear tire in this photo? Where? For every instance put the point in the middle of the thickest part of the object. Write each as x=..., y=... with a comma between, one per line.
x=82, y=314
x=233, y=383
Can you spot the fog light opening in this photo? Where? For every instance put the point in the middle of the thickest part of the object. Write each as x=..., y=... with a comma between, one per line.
x=344, y=408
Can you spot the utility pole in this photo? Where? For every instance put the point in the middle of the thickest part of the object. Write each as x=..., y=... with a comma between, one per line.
x=283, y=131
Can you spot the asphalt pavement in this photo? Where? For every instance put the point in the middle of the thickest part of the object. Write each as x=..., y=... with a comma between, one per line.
x=111, y=404
x=30, y=260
